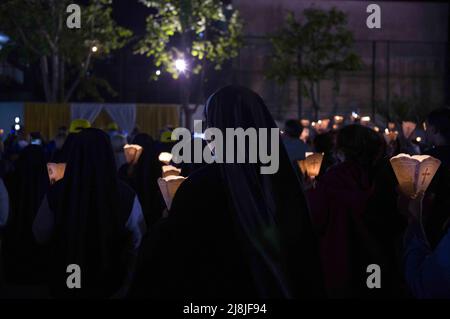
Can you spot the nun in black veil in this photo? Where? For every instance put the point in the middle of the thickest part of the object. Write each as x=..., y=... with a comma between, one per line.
x=91, y=219
x=143, y=176
x=22, y=258
x=62, y=155
x=231, y=231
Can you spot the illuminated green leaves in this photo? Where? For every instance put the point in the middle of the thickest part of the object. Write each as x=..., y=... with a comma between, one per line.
x=194, y=30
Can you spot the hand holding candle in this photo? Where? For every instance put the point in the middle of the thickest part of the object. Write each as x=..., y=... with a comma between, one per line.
x=55, y=171
x=414, y=173
x=311, y=164
x=168, y=187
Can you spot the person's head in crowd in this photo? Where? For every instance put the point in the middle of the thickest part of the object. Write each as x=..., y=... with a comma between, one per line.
x=66, y=148
x=305, y=136
x=294, y=141
x=148, y=144
x=165, y=142
x=165, y=133
x=136, y=131
x=89, y=222
x=258, y=199
x=62, y=130
x=36, y=138
x=144, y=177
x=361, y=145
x=112, y=128
x=60, y=138
x=22, y=142
x=9, y=144
x=324, y=142
x=166, y=137
x=76, y=126
x=438, y=127
x=79, y=124
x=293, y=129
x=28, y=184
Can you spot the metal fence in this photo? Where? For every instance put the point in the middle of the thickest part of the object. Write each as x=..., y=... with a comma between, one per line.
x=394, y=74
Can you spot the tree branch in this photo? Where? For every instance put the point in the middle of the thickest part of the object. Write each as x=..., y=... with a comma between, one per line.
x=62, y=78
x=44, y=74
x=78, y=79
x=55, y=76
x=47, y=36
x=25, y=39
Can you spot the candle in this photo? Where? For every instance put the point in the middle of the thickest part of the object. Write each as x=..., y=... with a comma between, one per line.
x=338, y=119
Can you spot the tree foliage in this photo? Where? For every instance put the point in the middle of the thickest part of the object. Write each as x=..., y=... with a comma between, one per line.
x=316, y=48
x=204, y=33
x=403, y=108
x=199, y=31
x=39, y=34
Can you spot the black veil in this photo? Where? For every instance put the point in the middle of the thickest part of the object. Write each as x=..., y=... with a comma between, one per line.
x=62, y=155
x=144, y=179
x=270, y=210
x=29, y=184
x=89, y=226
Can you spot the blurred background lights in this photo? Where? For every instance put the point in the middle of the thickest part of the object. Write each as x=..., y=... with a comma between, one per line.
x=3, y=39
x=17, y=119
x=338, y=119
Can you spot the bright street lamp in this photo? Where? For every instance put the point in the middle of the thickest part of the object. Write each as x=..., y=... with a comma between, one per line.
x=180, y=65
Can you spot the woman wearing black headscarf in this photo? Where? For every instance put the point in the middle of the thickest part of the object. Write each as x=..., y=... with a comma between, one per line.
x=22, y=258
x=91, y=219
x=143, y=176
x=62, y=155
x=231, y=231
